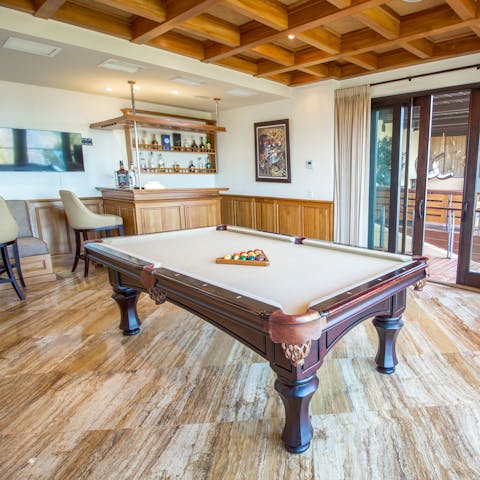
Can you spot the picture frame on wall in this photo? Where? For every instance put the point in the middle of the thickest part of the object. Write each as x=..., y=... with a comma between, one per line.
x=272, y=151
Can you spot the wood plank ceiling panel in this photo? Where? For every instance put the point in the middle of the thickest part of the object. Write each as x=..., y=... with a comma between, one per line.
x=329, y=38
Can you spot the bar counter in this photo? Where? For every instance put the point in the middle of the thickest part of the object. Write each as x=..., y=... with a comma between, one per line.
x=160, y=210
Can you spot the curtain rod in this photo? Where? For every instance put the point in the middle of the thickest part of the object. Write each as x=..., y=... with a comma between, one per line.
x=410, y=77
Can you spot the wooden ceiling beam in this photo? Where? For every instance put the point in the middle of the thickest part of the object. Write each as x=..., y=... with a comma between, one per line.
x=380, y=21
x=269, y=12
x=100, y=22
x=311, y=16
x=47, y=8
x=368, y=61
x=340, y=3
x=463, y=8
x=240, y=64
x=178, y=11
x=180, y=44
x=284, y=78
x=302, y=78
x=439, y=20
x=322, y=39
x=150, y=9
x=422, y=47
x=275, y=53
x=214, y=29
x=321, y=71
x=267, y=68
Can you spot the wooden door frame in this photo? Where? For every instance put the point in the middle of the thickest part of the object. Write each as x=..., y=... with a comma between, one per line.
x=464, y=275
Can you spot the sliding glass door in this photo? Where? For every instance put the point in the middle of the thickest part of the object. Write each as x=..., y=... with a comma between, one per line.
x=419, y=166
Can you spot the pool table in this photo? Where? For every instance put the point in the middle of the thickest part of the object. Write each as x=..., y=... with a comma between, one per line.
x=291, y=312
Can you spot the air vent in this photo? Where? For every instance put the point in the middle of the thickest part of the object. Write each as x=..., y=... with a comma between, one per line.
x=120, y=66
x=27, y=46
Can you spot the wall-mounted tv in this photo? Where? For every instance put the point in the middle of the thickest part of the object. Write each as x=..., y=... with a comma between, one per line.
x=24, y=150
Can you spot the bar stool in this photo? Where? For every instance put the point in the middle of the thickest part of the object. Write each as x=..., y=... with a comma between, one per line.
x=83, y=220
x=8, y=236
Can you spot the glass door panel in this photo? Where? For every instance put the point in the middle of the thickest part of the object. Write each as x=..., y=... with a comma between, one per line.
x=380, y=178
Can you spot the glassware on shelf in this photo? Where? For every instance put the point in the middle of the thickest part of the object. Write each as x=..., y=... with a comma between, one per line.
x=154, y=142
x=143, y=162
x=186, y=145
x=152, y=162
x=161, y=162
x=143, y=142
x=199, y=163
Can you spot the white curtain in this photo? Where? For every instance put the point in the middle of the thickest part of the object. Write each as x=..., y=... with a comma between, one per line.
x=352, y=153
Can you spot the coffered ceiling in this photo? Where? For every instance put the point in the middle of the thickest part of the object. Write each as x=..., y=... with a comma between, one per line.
x=334, y=39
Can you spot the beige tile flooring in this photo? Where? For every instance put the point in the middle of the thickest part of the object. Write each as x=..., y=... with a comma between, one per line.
x=183, y=400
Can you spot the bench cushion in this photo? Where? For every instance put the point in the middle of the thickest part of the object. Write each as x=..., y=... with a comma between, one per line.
x=29, y=246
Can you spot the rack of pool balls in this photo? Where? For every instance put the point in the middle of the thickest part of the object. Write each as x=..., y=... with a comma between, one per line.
x=249, y=257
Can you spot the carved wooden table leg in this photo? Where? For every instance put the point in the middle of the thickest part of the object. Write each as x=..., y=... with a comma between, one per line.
x=126, y=299
x=387, y=329
x=296, y=396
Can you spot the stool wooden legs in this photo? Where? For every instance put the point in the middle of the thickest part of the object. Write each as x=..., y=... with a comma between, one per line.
x=82, y=235
x=9, y=269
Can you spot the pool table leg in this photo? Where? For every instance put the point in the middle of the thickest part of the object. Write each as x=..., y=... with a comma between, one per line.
x=387, y=329
x=296, y=396
x=126, y=299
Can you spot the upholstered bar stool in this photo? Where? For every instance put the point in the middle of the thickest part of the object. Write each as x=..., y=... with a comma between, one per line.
x=8, y=236
x=83, y=220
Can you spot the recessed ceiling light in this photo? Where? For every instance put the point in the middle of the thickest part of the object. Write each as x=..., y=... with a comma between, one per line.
x=174, y=92
x=291, y=36
x=241, y=92
x=22, y=45
x=121, y=66
x=192, y=82
x=109, y=89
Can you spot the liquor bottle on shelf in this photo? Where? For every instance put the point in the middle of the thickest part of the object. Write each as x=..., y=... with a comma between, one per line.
x=166, y=141
x=191, y=167
x=199, y=163
x=202, y=144
x=154, y=142
x=208, y=165
x=176, y=167
x=193, y=145
x=186, y=145
x=208, y=146
x=161, y=162
x=122, y=180
x=152, y=162
x=143, y=162
x=143, y=142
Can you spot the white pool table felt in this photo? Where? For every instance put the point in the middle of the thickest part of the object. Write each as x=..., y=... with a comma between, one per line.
x=298, y=275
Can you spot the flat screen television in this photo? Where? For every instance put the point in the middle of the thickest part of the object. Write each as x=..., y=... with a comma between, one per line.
x=23, y=150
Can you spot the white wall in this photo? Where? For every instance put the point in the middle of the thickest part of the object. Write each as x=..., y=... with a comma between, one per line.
x=310, y=113
x=28, y=106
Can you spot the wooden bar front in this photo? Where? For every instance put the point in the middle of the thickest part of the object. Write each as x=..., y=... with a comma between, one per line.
x=151, y=211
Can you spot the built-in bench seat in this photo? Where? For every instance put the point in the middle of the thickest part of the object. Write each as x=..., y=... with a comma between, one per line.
x=35, y=258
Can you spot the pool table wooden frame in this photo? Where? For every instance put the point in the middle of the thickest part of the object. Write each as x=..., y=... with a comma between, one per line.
x=295, y=345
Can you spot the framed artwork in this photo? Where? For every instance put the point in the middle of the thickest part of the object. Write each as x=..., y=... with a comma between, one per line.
x=272, y=151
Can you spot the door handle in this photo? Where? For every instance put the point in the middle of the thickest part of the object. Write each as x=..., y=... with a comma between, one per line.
x=464, y=211
x=421, y=208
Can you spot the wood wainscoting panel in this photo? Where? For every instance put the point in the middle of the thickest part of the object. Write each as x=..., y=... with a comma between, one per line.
x=202, y=213
x=266, y=214
x=290, y=217
x=227, y=209
x=160, y=217
x=308, y=218
x=49, y=222
x=318, y=221
x=244, y=212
